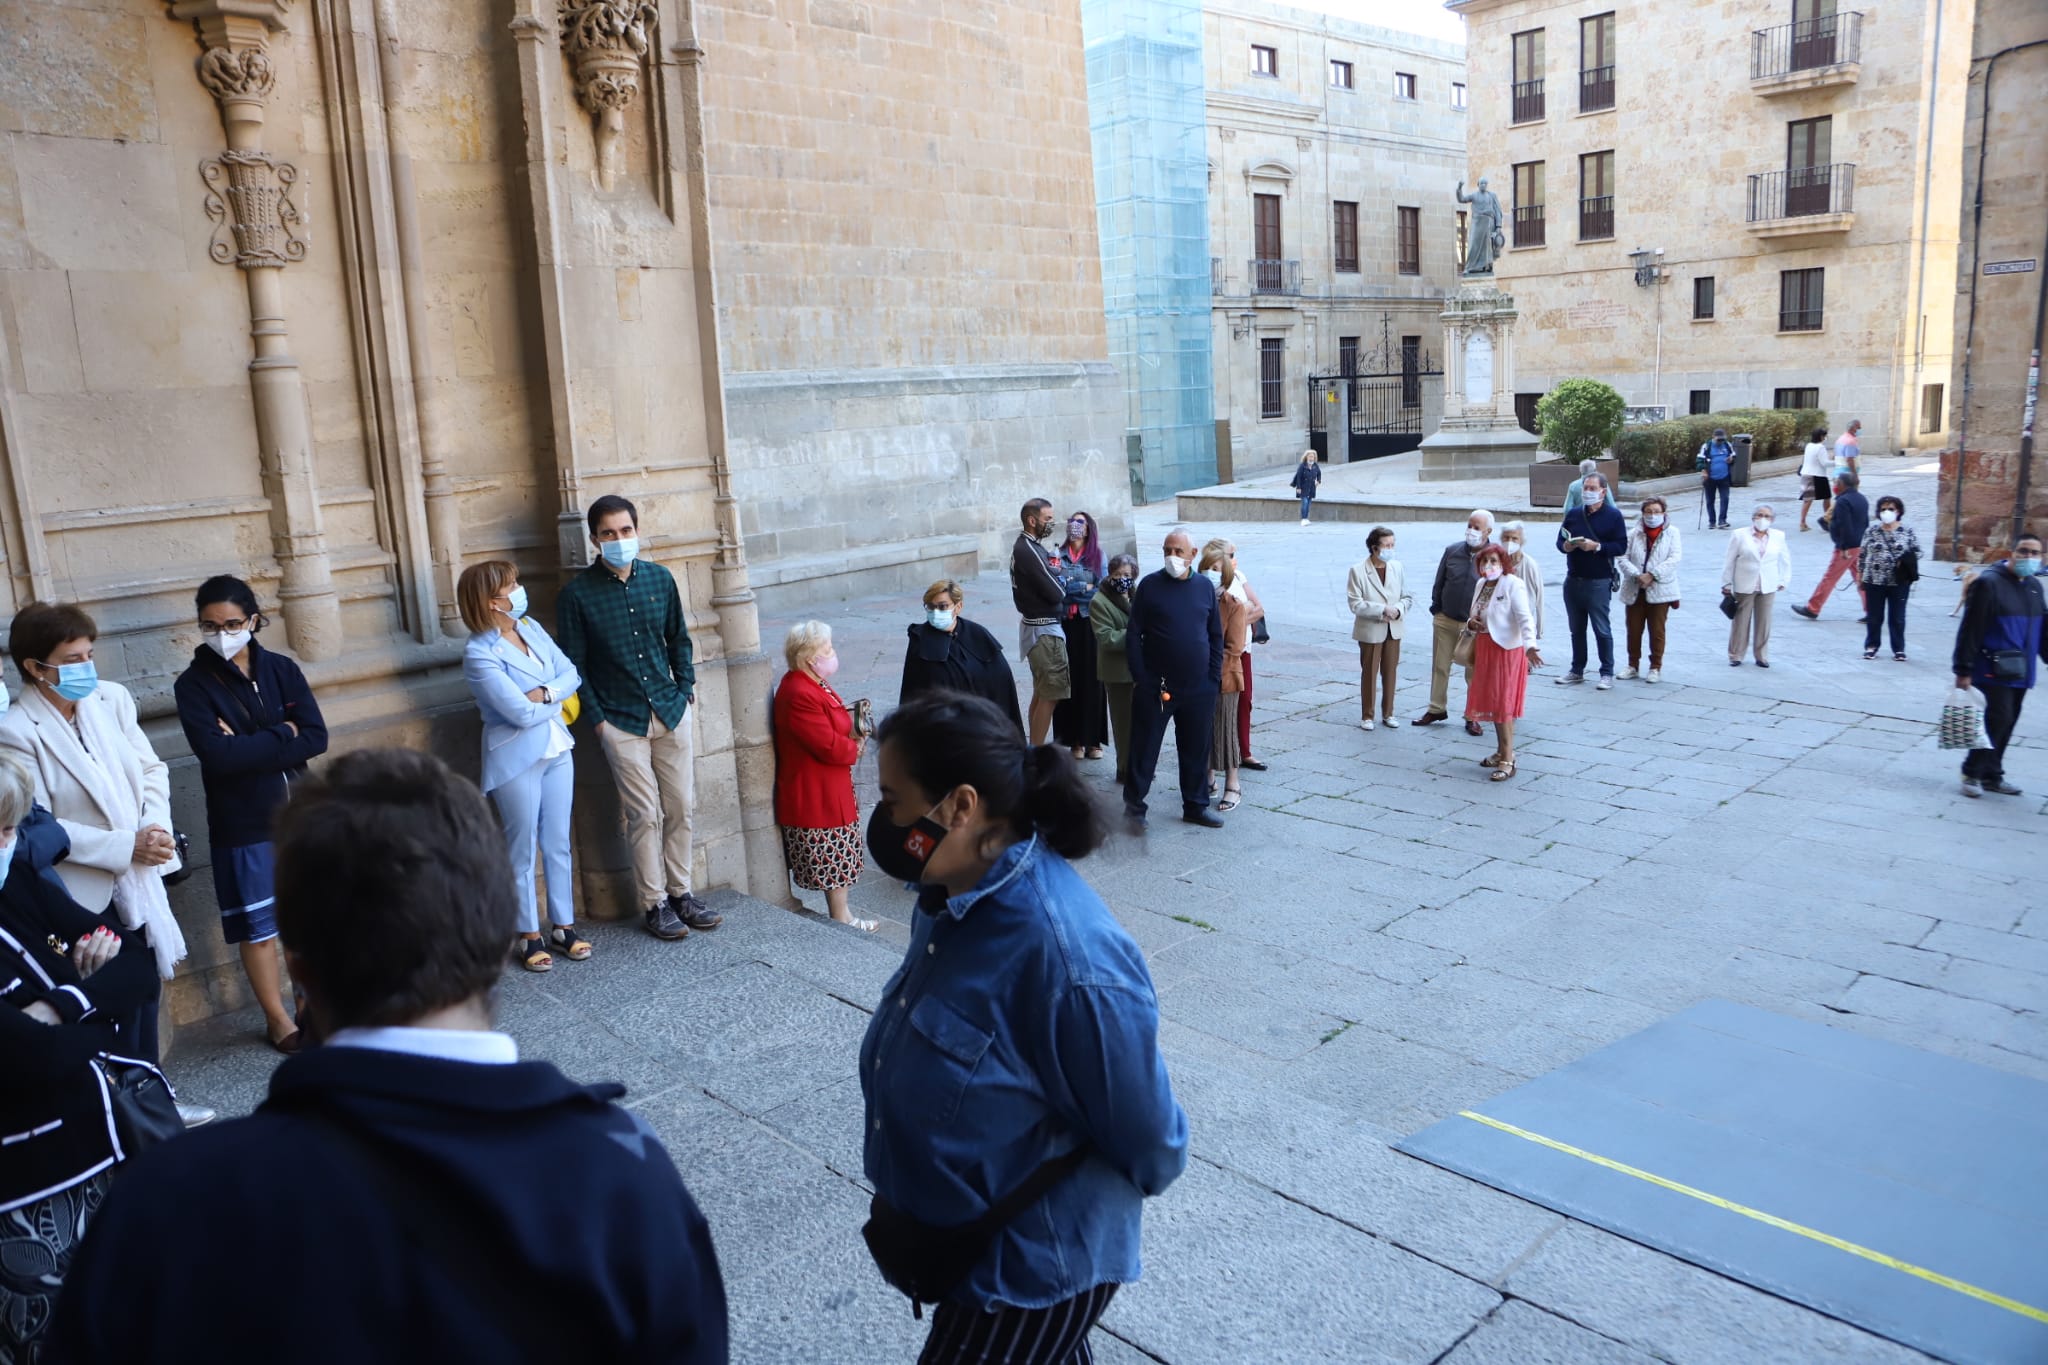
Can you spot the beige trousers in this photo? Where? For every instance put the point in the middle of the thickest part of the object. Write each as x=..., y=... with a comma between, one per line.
x=656, y=773
x=1377, y=663
x=1752, y=618
x=1444, y=640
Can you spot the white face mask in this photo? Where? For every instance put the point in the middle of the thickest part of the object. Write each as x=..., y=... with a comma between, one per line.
x=1512, y=546
x=7, y=856
x=1887, y=516
x=1176, y=567
x=1473, y=538
x=1761, y=523
x=231, y=643
x=1594, y=497
x=1653, y=520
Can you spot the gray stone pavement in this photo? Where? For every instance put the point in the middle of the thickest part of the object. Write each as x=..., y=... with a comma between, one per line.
x=1378, y=938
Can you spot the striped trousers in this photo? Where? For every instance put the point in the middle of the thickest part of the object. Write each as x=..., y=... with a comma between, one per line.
x=1016, y=1336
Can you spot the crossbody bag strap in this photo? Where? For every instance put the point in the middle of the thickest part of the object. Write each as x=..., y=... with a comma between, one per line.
x=1036, y=1186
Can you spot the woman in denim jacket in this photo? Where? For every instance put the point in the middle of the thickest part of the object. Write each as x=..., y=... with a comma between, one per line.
x=1021, y=1029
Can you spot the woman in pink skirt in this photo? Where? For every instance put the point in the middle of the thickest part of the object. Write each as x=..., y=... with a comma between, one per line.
x=1503, y=651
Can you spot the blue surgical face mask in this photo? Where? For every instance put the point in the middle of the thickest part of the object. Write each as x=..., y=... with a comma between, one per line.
x=7, y=857
x=76, y=682
x=941, y=618
x=517, y=600
x=620, y=553
x=2028, y=567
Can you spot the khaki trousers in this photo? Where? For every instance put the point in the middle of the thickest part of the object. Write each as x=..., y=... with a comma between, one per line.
x=1445, y=639
x=1377, y=662
x=1752, y=619
x=657, y=778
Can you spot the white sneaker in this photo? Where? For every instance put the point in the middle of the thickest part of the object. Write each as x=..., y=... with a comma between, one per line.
x=1654, y=675
x=1626, y=674
x=1304, y=521
x=1604, y=683
x=1365, y=724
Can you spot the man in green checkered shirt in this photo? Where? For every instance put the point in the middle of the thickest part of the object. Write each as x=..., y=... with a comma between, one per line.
x=620, y=622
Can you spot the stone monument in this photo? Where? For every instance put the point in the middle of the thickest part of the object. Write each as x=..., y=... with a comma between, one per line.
x=1479, y=437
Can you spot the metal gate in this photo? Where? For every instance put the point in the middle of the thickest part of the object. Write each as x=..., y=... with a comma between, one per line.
x=1374, y=414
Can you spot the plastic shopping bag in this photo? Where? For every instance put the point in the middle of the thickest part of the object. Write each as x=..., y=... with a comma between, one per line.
x=1962, y=720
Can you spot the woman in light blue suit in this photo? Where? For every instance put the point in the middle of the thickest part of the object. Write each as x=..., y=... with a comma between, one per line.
x=521, y=678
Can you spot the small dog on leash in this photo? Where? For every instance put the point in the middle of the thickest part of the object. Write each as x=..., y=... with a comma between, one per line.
x=1965, y=576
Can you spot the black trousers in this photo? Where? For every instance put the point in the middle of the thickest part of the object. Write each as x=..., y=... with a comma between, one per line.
x=1193, y=715
x=1016, y=1336
x=135, y=1035
x=2001, y=714
x=1885, y=604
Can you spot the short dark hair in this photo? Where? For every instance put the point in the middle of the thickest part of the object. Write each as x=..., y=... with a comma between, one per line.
x=1820, y=434
x=2034, y=536
x=40, y=627
x=225, y=587
x=949, y=739
x=1375, y=536
x=1032, y=509
x=1644, y=506
x=394, y=894
x=607, y=505
x=1896, y=504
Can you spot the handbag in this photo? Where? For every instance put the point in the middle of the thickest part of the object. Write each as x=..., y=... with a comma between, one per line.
x=1962, y=720
x=2007, y=666
x=1468, y=638
x=184, y=847
x=1906, y=569
x=928, y=1263
x=1260, y=635
x=1730, y=608
x=572, y=708
x=144, y=1109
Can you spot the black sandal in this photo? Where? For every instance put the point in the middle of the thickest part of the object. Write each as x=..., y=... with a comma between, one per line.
x=533, y=953
x=564, y=939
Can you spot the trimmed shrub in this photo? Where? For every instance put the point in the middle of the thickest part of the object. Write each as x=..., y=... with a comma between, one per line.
x=1580, y=419
x=1662, y=449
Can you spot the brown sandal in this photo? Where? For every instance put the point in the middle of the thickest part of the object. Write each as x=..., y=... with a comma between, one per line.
x=1490, y=761
x=1504, y=771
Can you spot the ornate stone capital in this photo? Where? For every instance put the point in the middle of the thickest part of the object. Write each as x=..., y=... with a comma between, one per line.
x=605, y=41
x=248, y=197
x=231, y=75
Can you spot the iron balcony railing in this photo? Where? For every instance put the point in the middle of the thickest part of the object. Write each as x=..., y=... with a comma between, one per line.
x=1802, y=192
x=1529, y=225
x=1596, y=89
x=1528, y=101
x=1596, y=218
x=1806, y=45
x=1799, y=319
x=1273, y=276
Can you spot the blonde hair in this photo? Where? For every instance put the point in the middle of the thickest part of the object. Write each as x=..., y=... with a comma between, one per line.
x=807, y=640
x=945, y=587
x=477, y=586
x=17, y=788
x=1214, y=554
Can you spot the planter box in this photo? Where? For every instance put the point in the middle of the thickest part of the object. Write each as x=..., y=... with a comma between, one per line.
x=1548, y=479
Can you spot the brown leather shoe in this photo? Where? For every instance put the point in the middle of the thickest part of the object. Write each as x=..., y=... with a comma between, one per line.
x=290, y=1044
x=1472, y=727
x=1429, y=718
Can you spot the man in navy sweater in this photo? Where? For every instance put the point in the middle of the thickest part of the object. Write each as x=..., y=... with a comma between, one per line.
x=1846, y=521
x=443, y=1200
x=1175, y=647
x=1594, y=535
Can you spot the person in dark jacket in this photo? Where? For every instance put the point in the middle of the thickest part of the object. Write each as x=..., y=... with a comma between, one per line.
x=1174, y=646
x=1080, y=724
x=1308, y=477
x=1716, y=463
x=1040, y=597
x=951, y=653
x=1111, y=619
x=1846, y=521
x=1450, y=603
x=453, y=1202
x=66, y=980
x=253, y=725
x=1999, y=646
x=1593, y=536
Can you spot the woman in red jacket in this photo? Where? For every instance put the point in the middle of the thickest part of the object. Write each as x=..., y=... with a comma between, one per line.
x=815, y=750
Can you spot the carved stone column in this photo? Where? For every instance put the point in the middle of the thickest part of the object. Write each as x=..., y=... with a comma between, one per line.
x=258, y=229
x=604, y=41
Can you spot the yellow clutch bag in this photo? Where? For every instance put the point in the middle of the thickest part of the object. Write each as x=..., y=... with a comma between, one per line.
x=572, y=707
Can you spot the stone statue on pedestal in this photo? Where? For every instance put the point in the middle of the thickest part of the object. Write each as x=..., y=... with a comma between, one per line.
x=1483, y=239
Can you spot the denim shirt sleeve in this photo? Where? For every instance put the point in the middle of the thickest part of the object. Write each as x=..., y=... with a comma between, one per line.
x=1107, y=1071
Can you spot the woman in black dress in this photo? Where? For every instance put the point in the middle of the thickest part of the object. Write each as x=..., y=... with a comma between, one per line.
x=951, y=652
x=1081, y=722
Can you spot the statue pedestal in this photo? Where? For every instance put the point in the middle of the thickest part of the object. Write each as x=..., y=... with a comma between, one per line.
x=1479, y=437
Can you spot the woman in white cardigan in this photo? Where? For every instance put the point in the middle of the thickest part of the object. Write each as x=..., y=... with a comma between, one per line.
x=96, y=772
x=1504, y=650
x=1379, y=598
x=1649, y=585
x=1757, y=569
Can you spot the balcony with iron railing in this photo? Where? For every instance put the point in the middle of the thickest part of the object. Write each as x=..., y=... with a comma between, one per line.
x=1596, y=89
x=1803, y=200
x=1527, y=102
x=1269, y=276
x=1528, y=225
x=1596, y=218
x=1811, y=54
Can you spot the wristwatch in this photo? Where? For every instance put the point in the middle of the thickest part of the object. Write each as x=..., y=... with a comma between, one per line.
x=547, y=694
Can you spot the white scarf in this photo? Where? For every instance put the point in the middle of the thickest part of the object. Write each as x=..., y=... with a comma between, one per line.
x=110, y=773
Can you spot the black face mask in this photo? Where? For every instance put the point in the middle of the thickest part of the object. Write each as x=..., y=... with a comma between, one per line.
x=1120, y=586
x=902, y=851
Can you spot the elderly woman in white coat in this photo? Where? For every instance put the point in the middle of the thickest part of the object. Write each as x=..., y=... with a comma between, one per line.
x=1649, y=585
x=96, y=772
x=1757, y=569
x=1512, y=536
x=521, y=678
x=1379, y=598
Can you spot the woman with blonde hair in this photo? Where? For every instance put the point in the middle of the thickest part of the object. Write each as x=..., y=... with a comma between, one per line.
x=521, y=679
x=1219, y=565
x=816, y=746
x=951, y=653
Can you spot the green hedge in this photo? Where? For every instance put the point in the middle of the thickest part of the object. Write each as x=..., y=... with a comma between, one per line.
x=1662, y=449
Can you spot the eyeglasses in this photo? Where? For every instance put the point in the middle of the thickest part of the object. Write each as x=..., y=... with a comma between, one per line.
x=228, y=627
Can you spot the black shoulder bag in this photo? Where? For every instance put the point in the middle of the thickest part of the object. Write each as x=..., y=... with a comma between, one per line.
x=145, y=1111
x=928, y=1263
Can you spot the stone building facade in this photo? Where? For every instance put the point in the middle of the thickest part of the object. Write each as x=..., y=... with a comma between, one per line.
x=1335, y=151
x=909, y=287
x=1749, y=204
x=2002, y=274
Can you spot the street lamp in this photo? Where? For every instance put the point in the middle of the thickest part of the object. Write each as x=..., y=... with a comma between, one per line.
x=1649, y=265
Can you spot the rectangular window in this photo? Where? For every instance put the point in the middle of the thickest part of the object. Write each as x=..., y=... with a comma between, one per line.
x=1346, y=222
x=1404, y=85
x=1795, y=399
x=1340, y=75
x=1809, y=150
x=1457, y=94
x=1272, y=377
x=1814, y=29
x=1461, y=239
x=1801, y=295
x=1529, y=203
x=1528, y=73
x=1596, y=63
x=1347, y=356
x=1596, y=196
x=1408, y=240
x=1265, y=60
x=1411, y=372
x=1702, y=402
x=1269, y=272
x=1703, y=296
x=1930, y=408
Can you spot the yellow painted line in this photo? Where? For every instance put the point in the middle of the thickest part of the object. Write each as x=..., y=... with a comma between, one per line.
x=2025, y=1310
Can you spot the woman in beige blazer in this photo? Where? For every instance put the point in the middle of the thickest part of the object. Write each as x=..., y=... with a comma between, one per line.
x=1379, y=599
